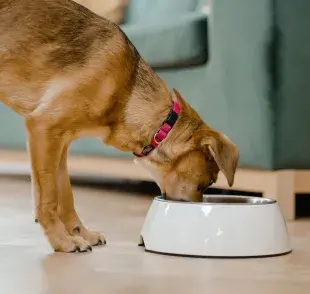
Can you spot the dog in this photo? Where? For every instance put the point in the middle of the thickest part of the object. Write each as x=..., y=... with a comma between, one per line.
x=72, y=74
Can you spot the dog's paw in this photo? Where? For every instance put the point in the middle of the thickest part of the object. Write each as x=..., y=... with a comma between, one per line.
x=72, y=244
x=75, y=228
x=93, y=238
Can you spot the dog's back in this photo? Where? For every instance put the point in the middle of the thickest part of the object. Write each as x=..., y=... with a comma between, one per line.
x=47, y=40
x=65, y=31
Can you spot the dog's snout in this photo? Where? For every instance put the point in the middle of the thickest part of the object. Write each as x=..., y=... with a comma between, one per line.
x=178, y=198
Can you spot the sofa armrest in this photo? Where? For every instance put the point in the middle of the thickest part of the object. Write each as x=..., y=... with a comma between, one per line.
x=176, y=42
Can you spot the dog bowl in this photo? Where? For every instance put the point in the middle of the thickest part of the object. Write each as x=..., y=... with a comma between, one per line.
x=221, y=226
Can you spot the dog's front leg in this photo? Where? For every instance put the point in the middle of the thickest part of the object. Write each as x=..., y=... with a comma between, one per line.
x=35, y=189
x=66, y=209
x=45, y=147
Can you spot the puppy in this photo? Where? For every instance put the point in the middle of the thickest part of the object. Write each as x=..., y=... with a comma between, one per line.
x=71, y=74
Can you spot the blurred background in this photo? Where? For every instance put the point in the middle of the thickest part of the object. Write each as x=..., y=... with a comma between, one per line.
x=244, y=65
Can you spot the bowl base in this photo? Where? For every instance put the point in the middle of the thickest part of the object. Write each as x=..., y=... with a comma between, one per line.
x=217, y=257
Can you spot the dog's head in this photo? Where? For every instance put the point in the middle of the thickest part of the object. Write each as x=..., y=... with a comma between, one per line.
x=189, y=161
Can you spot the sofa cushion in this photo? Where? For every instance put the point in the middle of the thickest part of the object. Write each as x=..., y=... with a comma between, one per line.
x=156, y=11
x=171, y=43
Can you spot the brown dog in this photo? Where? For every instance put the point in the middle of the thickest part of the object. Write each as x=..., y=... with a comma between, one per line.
x=71, y=73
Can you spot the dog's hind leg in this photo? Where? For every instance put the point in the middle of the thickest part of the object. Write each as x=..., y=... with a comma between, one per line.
x=66, y=210
x=45, y=149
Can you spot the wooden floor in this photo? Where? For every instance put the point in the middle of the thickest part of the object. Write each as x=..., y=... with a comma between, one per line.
x=28, y=265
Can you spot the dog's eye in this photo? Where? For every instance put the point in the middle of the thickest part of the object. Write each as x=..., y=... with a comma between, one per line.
x=211, y=183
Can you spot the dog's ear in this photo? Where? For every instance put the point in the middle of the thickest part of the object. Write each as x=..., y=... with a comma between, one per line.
x=224, y=152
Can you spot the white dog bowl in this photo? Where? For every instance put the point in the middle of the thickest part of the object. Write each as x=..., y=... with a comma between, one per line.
x=221, y=226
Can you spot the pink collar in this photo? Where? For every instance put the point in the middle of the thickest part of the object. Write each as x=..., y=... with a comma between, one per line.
x=163, y=131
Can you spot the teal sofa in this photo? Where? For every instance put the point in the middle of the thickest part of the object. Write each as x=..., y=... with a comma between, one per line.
x=244, y=68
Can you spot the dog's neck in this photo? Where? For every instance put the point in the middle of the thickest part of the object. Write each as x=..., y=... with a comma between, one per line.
x=146, y=106
x=147, y=112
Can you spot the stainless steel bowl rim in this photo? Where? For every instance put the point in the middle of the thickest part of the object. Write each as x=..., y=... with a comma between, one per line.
x=220, y=200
